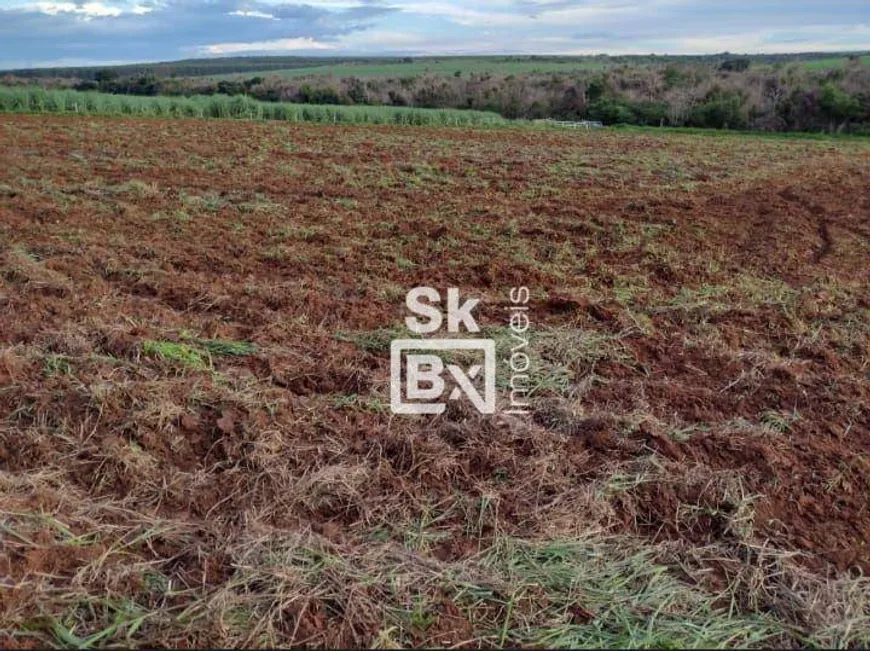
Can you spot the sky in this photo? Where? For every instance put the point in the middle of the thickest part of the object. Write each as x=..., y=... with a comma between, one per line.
x=91, y=32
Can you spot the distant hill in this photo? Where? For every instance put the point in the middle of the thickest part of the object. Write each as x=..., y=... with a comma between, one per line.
x=386, y=66
x=184, y=68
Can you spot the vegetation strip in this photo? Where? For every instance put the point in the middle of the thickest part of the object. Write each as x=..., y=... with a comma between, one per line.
x=36, y=100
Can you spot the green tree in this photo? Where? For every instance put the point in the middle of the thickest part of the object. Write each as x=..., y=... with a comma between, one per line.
x=105, y=76
x=735, y=65
x=356, y=91
x=720, y=110
x=838, y=106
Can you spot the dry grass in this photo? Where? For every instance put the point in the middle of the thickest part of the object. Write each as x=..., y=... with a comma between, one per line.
x=106, y=577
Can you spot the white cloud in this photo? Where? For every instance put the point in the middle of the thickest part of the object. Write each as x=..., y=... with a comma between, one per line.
x=321, y=4
x=253, y=14
x=496, y=13
x=97, y=9
x=277, y=45
x=377, y=42
x=85, y=10
x=52, y=8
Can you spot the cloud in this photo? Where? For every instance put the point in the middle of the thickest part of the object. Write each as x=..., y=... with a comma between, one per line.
x=88, y=9
x=278, y=45
x=34, y=32
x=42, y=32
x=253, y=14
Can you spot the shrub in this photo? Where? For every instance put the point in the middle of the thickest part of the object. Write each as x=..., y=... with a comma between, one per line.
x=611, y=111
x=720, y=110
x=736, y=65
x=838, y=106
x=650, y=113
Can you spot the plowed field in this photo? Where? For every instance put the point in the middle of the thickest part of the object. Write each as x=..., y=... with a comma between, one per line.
x=196, y=442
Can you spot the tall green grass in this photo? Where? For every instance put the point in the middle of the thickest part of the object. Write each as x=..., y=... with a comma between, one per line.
x=32, y=99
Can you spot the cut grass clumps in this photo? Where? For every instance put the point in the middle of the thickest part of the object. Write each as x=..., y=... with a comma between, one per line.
x=196, y=353
x=180, y=354
x=28, y=270
x=590, y=592
x=556, y=356
x=54, y=365
x=228, y=348
x=126, y=620
x=375, y=341
x=38, y=100
x=607, y=593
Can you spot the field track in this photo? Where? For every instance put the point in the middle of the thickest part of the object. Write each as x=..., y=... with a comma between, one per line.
x=701, y=317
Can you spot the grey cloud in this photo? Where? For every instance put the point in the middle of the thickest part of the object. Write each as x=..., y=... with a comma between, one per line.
x=170, y=30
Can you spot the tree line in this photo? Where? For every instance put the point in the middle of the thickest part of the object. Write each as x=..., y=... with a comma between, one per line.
x=733, y=94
